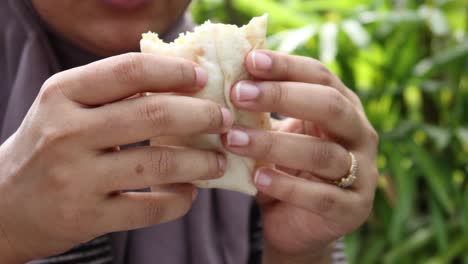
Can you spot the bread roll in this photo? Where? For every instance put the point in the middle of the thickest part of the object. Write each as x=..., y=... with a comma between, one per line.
x=220, y=49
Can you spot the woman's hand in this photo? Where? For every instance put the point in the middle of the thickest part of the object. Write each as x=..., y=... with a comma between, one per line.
x=61, y=173
x=310, y=150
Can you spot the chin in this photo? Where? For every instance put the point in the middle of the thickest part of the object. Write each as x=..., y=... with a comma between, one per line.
x=113, y=40
x=105, y=30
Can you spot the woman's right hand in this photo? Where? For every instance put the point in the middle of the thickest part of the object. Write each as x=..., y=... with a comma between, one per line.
x=61, y=173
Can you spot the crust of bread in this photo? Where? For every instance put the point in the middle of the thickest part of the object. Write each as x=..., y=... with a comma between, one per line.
x=220, y=49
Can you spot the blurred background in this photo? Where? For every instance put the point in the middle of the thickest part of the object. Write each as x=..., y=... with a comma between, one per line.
x=408, y=61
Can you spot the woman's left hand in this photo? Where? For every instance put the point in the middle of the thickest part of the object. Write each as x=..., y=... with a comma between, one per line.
x=305, y=210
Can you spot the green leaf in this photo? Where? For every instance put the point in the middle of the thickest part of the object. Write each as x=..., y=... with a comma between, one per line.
x=457, y=247
x=438, y=225
x=435, y=20
x=459, y=52
x=328, y=42
x=356, y=33
x=440, y=135
x=280, y=16
x=435, y=175
x=373, y=253
x=291, y=40
x=413, y=242
x=352, y=242
x=462, y=134
x=405, y=182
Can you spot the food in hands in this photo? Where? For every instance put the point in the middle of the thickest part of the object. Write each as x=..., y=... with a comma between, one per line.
x=221, y=50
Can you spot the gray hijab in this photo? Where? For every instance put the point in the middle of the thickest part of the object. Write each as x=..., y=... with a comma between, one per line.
x=216, y=228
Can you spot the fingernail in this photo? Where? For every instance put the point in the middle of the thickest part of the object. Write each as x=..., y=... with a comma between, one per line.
x=221, y=162
x=202, y=76
x=261, y=61
x=262, y=178
x=246, y=91
x=228, y=120
x=237, y=138
x=194, y=194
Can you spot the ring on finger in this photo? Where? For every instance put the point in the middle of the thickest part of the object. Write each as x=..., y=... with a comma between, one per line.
x=350, y=178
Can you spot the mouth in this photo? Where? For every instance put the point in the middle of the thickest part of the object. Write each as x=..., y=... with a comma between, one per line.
x=126, y=4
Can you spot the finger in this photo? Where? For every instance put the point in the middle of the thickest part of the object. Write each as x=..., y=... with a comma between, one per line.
x=311, y=102
x=313, y=129
x=141, y=167
x=131, y=210
x=366, y=174
x=320, y=198
x=122, y=76
x=142, y=118
x=287, y=170
x=275, y=66
x=325, y=159
x=291, y=125
x=275, y=124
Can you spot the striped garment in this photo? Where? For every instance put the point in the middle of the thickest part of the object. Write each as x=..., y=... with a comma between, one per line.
x=98, y=251
x=338, y=255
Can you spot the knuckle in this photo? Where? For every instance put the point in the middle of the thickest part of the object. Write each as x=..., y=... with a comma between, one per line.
x=212, y=114
x=322, y=156
x=213, y=167
x=335, y=104
x=59, y=179
x=355, y=98
x=266, y=145
x=154, y=212
x=289, y=193
x=129, y=68
x=287, y=65
x=49, y=135
x=157, y=113
x=374, y=136
x=164, y=164
x=186, y=73
x=51, y=89
x=326, y=202
x=278, y=94
x=298, y=64
x=324, y=75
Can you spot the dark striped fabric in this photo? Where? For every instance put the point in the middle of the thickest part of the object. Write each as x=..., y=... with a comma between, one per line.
x=338, y=254
x=97, y=251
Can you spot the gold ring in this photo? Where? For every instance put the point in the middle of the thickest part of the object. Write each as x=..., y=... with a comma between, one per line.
x=349, y=179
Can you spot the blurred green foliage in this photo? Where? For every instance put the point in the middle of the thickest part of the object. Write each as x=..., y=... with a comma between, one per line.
x=408, y=61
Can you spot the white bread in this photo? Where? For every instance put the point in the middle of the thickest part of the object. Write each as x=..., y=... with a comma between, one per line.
x=220, y=49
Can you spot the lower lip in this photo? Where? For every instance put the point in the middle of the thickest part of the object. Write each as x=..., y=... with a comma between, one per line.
x=126, y=4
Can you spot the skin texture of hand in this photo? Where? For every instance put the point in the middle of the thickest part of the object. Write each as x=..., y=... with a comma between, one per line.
x=303, y=211
x=62, y=173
